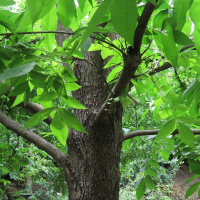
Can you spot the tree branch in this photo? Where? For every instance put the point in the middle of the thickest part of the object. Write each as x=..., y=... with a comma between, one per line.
x=131, y=62
x=33, y=108
x=36, y=32
x=142, y=24
x=152, y=132
x=168, y=65
x=41, y=143
x=136, y=102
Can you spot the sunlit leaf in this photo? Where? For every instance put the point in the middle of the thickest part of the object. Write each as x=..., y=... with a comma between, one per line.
x=71, y=120
x=59, y=129
x=180, y=9
x=66, y=11
x=166, y=130
x=165, y=155
x=39, y=116
x=186, y=135
x=170, y=48
x=98, y=15
x=73, y=102
x=121, y=13
x=194, y=13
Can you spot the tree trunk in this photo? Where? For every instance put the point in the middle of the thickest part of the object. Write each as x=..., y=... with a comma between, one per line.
x=94, y=158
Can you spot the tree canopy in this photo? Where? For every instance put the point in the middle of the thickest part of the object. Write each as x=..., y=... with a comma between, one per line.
x=150, y=50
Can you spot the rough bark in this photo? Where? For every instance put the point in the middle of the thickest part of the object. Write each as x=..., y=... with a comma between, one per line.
x=94, y=158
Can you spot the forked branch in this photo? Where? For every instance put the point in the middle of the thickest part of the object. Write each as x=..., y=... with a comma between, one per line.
x=131, y=62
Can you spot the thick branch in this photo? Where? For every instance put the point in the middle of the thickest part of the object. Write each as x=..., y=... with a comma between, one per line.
x=41, y=143
x=142, y=24
x=33, y=108
x=153, y=132
x=165, y=66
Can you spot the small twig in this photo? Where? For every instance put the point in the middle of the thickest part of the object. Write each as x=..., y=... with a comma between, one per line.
x=136, y=102
x=111, y=44
x=146, y=48
x=179, y=80
x=36, y=32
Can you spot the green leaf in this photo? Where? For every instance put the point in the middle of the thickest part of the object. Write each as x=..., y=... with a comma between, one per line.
x=59, y=129
x=38, y=77
x=179, y=12
x=158, y=19
x=189, y=120
x=19, y=89
x=153, y=163
x=6, y=86
x=159, y=101
x=86, y=45
x=165, y=113
x=66, y=11
x=114, y=73
x=36, y=118
x=186, y=135
x=149, y=182
x=192, y=189
x=98, y=15
x=35, y=8
x=25, y=19
x=72, y=86
x=169, y=23
x=165, y=155
x=192, y=178
x=172, y=96
x=5, y=3
x=181, y=38
x=166, y=130
x=194, y=166
x=81, y=4
x=179, y=106
x=145, y=113
x=49, y=22
x=151, y=172
x=73, y=102
x=49, y=96
x=196, y=34
x=170, y=49
x=17, y=71
x=27, y=95
x=140, y=190
x=7, y=22
x=4, y=169
x=124, y=18
x=190, y=90
x=194, y=13
x=71, y=120
x=18, y=100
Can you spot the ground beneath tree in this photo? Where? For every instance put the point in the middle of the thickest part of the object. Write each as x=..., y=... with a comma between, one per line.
x=179, y=187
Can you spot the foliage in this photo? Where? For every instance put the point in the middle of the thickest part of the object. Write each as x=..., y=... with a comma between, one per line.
x=31, y=66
